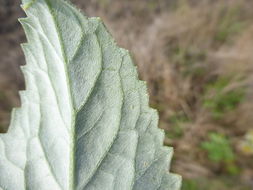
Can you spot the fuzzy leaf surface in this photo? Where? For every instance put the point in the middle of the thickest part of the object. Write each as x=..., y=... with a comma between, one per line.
x=85, y=122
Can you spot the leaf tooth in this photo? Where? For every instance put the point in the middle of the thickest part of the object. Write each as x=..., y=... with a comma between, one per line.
x=26, y=49
x=148, y=177
x=170, y=182
x=27, y=4
x=169, y=154
x=29, y=31
x=25, y=20
x=144, y=94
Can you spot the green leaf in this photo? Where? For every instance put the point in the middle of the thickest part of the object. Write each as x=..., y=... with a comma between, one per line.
x=219, y=148
x=84, y=123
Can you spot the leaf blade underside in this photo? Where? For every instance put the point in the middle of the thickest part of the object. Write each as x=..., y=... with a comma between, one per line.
x=85, y=122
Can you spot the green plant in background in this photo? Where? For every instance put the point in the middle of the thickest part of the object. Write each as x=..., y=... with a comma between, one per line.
x=104, y=3
x=220, y=151
x=189, y=59
x=152, y=5
x=190, y=184
x=222, y=183
x=177, y=122
x=218, y=148
x=230, y=24
x=219, y=101
x=2, y=96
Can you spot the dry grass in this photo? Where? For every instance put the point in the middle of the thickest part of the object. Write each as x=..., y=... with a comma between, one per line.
x=185, y=50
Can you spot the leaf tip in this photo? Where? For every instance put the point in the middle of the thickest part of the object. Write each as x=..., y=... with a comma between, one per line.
x=27, y=5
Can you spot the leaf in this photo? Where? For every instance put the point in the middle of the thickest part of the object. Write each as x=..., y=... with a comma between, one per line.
x=84, y=123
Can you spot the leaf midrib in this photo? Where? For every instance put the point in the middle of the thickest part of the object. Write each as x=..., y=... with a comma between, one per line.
x=73, y=118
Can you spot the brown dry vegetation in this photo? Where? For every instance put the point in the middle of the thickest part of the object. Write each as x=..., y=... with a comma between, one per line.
x=197, y=59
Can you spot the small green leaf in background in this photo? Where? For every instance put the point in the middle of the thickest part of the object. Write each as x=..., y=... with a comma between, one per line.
x=220, y=151
x=219, y=101
x=218, y=148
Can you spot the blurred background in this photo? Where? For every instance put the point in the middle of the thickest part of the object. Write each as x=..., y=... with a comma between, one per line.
x=197, y=59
